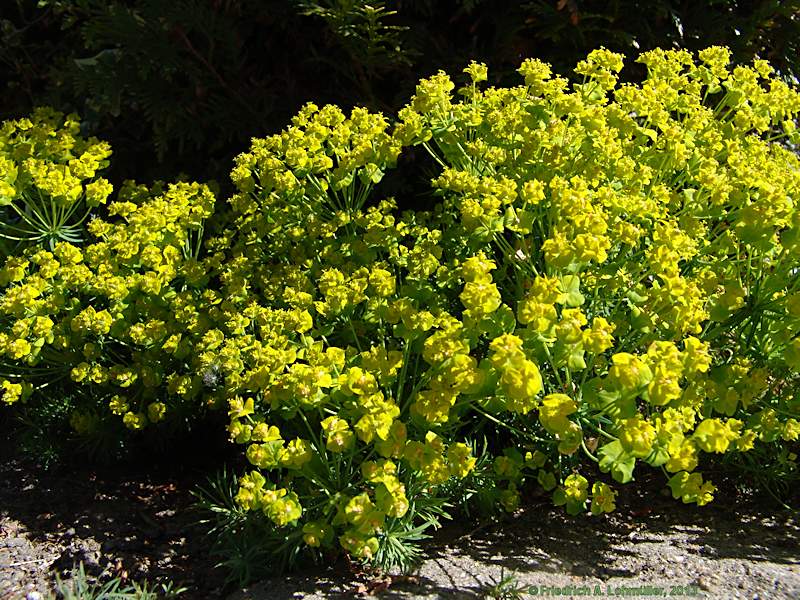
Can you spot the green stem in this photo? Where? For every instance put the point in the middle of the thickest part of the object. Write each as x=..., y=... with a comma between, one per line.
x=511, y=428
x=586, y=451
x=598, y=430
x=355, y=335
x=401, y=380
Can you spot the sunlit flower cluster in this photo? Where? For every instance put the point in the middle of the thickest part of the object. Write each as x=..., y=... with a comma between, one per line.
x=48, y=179
x=607, y=281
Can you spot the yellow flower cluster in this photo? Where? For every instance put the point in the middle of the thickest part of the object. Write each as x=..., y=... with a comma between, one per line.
x=48, y=178
x=119, y=316
x=609, y=279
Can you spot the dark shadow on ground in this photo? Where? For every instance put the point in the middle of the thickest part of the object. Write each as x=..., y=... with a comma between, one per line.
x=651, y=537
x=134, y=522
x=137, y=521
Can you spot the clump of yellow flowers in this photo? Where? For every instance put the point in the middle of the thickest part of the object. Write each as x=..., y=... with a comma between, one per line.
x=610, y=280
x=48, y=179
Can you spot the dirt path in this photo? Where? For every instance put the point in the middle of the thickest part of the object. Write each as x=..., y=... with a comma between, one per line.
x=140, y=526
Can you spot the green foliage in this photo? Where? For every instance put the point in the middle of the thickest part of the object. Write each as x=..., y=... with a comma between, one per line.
x=247, y=547
x=181, y=87
x=370, y=41
x=42, y=430
x=80, y=587
x=507, y=587
x=605, y=282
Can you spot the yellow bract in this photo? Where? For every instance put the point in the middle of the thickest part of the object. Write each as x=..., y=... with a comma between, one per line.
x=607, y=272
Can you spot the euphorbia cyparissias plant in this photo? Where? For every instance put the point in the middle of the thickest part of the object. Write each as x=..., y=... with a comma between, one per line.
x=607, y=282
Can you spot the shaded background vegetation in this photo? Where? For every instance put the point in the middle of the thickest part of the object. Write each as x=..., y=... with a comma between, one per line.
x=181, y=86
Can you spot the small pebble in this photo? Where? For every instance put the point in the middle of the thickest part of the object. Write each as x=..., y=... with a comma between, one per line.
x=33, y=596
x=704, y=584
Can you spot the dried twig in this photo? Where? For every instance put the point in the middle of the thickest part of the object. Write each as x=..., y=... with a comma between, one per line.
x=28, y=562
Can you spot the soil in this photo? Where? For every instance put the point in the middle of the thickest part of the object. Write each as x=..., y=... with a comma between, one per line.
x=738, y=547
x=134, y=523
x=138, y=524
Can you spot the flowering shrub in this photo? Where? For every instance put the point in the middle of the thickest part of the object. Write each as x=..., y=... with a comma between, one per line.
x=48, y=179
x=118, y=316
x=609, y=282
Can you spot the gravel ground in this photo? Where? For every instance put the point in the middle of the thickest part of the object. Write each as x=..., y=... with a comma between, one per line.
x=139, y=526
x=135, y=525
x=651, y=547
